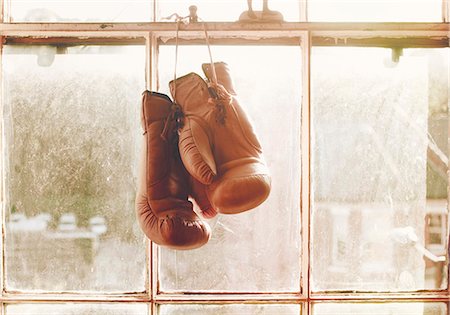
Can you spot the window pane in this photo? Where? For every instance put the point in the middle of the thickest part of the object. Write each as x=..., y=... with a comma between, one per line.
x=78, y=309
x=72, y=128
x=227, y=10
x=258, y=250
x=375, y=10
x=229, y=309
x=379, y=180
x=80, y=11
x=423, y=308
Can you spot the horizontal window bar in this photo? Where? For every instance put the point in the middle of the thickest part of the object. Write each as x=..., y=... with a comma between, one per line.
x=376, y=41
x=230, y=298
x=221, y=298
x=63, y=297
x=288, y=41
x=441, y=295
x=73, y=41
x=166, y=298
x=221, y=27
x=403, y=42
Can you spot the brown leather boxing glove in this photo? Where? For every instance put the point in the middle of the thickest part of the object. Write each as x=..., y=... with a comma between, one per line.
x=198, y=192
x=218, y=145
x=162, y=207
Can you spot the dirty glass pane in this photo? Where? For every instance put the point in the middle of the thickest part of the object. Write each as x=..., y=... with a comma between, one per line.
x=407, y=308
x=78, y=309
x=229, y=309
x=258, y=250
x=227, y=10
x=379, y=165
x=375, y=10
x=75, y=11
x=72, y=127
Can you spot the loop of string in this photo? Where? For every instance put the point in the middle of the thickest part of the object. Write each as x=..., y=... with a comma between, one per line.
x=219, y=95
x=176, y=60
x=185, y=19
x=213, y=68
x=175, y=119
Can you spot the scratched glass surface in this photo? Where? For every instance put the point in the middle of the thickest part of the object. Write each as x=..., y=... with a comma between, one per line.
x=229, y=309
x=76, y=11
x=258, y=250
x=375, y=11
x=78, y=309
x=379, y=169
x=227, y=10
x=406, y=308
x=72, y=133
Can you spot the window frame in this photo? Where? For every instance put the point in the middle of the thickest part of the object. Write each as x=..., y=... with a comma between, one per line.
x=307, y=35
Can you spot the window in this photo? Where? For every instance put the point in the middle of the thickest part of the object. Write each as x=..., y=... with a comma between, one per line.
x=374, y=219
x=353, y=120
x=238, y=240
x=67, y=190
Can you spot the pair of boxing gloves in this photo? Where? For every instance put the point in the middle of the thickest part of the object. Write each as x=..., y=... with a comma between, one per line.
x=202, y=146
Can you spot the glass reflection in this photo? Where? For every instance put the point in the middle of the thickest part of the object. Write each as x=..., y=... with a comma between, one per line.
x=72, y=129
x=78, y=309
x=258, y=250
x=407, y=308
x=229, y=309
x=380, y=153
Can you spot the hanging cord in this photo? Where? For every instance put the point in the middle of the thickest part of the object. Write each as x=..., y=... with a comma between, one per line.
x=185, y=20
x=174, y=120
x=174, y=92
x=178, y=20
x=220, y=97
x=213, y=68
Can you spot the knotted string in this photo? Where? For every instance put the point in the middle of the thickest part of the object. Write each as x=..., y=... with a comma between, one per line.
x=220, y=99
x=172, y=123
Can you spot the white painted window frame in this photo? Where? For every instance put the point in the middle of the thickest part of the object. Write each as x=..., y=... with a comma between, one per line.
x=306, y=35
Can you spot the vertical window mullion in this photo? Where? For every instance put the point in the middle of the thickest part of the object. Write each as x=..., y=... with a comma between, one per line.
x=446, y=14
x=153, y=248
x=2, y=183
x=148, y=58
x=155, y=9
x=152, y=85
x=5, y=9
x=148, y=81
x=152, y=310
x=445, y=11
x=2, y=10
x=305, y=166
x=154, y=275
x=303, y=7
